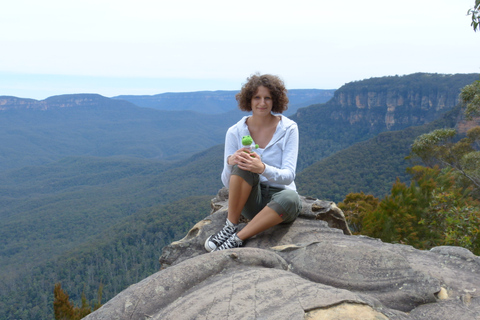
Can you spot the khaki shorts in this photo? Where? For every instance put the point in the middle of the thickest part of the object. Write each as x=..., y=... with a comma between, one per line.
x=285, y=202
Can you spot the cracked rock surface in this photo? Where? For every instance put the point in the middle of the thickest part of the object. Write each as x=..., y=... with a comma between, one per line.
x=311, y=269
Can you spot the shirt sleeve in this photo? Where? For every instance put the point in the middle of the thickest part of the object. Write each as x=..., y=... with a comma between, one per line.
x=231, y=146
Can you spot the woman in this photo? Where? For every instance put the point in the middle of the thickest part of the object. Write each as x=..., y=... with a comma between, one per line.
x=261, y=184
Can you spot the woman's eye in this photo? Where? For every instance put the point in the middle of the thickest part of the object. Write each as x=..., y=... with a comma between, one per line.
x=259, y=98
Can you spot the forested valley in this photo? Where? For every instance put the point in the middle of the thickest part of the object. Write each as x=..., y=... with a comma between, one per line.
x=92, y=191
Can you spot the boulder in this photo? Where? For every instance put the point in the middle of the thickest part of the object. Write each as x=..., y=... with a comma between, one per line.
x=310, y=269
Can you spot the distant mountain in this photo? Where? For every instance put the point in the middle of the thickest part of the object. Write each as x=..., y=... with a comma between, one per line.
x=40, y=132
x=361, y=110
x=67, y=101
x=216, y=102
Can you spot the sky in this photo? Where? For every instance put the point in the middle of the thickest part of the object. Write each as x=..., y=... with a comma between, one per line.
x=147, y=47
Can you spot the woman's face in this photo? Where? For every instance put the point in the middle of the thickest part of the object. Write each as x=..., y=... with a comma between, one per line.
x=262, y=102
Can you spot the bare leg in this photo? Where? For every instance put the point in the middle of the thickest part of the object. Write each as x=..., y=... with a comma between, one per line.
x=265, y=219
x=238, y=196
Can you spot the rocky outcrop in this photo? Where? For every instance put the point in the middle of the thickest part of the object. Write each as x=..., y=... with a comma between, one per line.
x=392, y=98
x=305, y=270
x=13, y=103
x=394, y=103
x=399, y=107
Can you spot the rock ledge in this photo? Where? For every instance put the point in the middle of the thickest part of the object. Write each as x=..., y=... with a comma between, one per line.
x=311, y=269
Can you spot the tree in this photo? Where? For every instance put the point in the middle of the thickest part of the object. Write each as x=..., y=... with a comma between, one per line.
x=475, y=13
x=355, y=207
x=396, y=219
x=437, y=147
x=62, y=307
x=65, y=310
x=434, y=210
x=98, y=303
x=458, y=221
x=470, y=96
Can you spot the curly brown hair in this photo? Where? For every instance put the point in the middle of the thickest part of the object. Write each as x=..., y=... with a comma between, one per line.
x=272, y=83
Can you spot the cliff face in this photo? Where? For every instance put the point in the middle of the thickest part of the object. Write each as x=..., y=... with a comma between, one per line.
x=56, y=102
x=400, y=107
x=12, y=103
x=393, y=103
x=435, y=100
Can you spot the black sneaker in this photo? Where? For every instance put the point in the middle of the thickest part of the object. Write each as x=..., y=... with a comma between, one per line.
x=232, y=242
x=215, y=241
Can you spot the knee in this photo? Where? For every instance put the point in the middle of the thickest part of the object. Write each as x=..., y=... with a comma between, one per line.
x=290, y=197
x=250, y=177
x=287, y=203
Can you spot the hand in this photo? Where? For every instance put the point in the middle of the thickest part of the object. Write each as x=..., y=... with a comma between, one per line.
x=247, y=161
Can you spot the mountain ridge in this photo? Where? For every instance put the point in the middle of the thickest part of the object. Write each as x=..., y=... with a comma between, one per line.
x=220, y=101
x=39, y=135
x=55, y=102
x=206, y=102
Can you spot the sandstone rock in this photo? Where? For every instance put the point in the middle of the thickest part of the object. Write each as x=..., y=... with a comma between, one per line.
x=326, y=211
x=364, y=267
x=312, y=208
x=344, y=311
x=304, y=270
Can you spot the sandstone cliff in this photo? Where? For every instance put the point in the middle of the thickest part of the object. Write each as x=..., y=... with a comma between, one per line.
x=393, y=103
x=307, y=270
x=56, y=102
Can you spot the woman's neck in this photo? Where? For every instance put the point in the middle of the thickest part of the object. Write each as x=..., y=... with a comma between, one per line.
x=257, y=121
